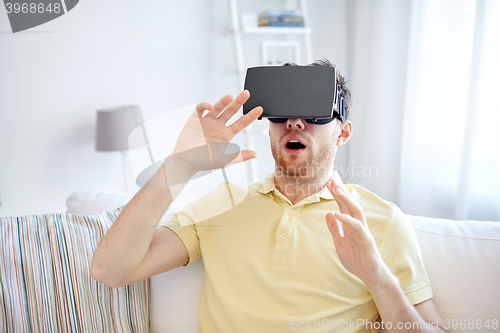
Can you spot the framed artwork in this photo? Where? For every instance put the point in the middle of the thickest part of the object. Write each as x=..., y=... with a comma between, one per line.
x=276, y=53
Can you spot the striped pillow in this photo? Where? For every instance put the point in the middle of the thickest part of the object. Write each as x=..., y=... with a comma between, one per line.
x=45, y=283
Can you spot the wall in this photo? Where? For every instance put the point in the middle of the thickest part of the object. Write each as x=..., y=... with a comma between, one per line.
x=160, y=55
x=52, y=79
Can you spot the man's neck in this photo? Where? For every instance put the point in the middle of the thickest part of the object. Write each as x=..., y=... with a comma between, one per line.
x=299, y=188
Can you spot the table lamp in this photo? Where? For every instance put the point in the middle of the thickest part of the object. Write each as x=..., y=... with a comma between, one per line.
x=114, y=126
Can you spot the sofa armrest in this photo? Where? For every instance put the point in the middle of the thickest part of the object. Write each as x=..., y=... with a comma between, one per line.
x=461, y=259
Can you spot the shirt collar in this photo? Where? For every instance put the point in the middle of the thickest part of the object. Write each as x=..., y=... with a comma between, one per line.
x=268, y=186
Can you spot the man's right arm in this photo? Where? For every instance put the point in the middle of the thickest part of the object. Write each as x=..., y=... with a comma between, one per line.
x=134, y=249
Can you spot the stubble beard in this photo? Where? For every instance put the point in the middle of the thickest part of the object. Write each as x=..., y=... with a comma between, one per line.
x=315, y=165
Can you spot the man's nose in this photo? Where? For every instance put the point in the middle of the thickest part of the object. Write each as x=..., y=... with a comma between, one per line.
x=295, y=123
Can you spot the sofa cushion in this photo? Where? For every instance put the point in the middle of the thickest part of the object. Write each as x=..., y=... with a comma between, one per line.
x=90, y=202
x=462, y=262
x=174, y=299
x=45, y=283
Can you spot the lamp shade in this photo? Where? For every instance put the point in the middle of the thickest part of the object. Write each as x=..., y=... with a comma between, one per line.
x=114, y=125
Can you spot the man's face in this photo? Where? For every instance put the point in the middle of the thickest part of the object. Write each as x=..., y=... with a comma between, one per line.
x=304, y=150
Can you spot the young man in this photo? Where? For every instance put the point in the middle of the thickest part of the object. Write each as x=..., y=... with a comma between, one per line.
x=301, y=251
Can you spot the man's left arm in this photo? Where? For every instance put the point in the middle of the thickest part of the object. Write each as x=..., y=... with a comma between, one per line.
x=358, y=253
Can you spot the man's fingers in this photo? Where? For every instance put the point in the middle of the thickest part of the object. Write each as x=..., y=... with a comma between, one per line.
x=349, y=221
x=333, y=184
x=248, y=154
x=336, y=180
x=234, y=106
x=246, y=120
x=202, y=107
x=334, y=226
x=243, y=156
x=338, y=198
x=242, y=97
x=219, y=106
x=346, y=202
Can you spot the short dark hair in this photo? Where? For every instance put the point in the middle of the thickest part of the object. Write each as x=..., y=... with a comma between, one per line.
x=341, y=81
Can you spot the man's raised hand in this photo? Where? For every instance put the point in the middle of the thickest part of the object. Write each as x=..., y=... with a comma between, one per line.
x=204, y=141
x=353, y=241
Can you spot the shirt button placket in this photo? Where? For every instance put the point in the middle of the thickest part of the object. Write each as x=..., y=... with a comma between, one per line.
x=290, y=212
x=280, y=254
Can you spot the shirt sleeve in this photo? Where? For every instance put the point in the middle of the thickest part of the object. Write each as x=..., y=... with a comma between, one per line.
x=401, y=252
x=182, y=224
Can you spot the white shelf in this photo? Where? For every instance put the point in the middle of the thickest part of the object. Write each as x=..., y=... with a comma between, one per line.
x=277, y=30
x=240, y=33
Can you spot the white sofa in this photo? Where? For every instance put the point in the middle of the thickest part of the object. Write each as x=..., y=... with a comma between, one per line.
x=462, y=259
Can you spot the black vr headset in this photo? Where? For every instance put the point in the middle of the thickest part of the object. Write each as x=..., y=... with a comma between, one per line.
x=309, y=92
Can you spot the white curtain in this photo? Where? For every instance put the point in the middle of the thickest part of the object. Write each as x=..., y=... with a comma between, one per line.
x=450, y=155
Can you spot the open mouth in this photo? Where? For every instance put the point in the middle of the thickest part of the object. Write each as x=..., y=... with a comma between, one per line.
x=294, y=144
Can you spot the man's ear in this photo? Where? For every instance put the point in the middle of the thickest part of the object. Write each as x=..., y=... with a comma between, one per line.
x=345, y=133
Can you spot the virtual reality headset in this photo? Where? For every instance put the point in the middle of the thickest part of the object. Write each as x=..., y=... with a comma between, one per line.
x=309, y=92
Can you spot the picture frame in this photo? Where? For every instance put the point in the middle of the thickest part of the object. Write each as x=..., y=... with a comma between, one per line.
x=277, y=53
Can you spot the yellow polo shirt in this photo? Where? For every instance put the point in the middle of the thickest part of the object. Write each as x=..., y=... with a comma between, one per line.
x=271, y=266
